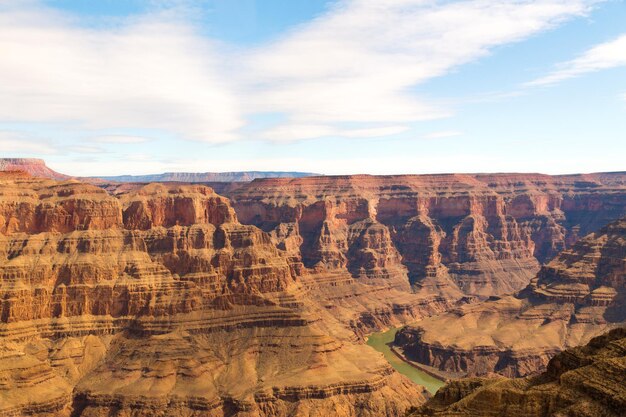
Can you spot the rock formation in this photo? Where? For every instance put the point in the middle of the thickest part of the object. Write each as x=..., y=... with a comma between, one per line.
x=455, y=234
x=578, y=295
x=157, y=301
x=585, y=381
x=32, y=166
x=137, y=299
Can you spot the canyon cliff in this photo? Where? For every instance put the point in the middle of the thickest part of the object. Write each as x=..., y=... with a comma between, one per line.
x=578, y=295
x=33, y=166
x=477, y=235
x=585, y=381
x=157, y=301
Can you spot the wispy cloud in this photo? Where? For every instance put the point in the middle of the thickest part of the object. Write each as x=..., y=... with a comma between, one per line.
x=150, y=72
x=19, y=142
x=359, y=61
x=443, y=134
x=294, y=132
x=119, y=139
x=84, y=149
x=603, y=56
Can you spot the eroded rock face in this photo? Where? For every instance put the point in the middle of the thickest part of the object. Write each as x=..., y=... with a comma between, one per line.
x=580, y=382
x=157, y=301
x=32, y=166
x=578, y=295
x=464, y=234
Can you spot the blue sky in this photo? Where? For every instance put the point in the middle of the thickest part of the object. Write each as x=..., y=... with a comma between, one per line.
x=335, y=87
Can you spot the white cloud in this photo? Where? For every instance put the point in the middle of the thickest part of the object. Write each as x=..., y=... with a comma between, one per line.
x=442, y=134
x=119, y=139
x=18, y=142
x=84, y=149
x=603, y=56
x=150, y=72
x=294, y=132
x=355, y=63
x=358, y=62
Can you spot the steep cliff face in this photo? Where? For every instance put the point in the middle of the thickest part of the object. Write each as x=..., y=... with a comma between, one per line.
x=157, y=301
x=578, y=295
x=580, y=382
x=473, y=234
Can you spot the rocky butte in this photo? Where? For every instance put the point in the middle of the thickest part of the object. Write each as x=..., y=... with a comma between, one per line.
x=33, y=166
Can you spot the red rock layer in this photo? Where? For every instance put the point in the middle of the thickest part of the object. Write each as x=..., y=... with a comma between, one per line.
x=483, y=234
x=32, y=166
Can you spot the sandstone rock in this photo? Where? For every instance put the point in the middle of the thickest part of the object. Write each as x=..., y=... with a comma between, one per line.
x=580, y=382
x=482, y=234
x=34, y=167
x=156, y=301
x=578, y=295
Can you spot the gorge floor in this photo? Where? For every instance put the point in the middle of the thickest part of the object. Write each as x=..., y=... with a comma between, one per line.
x=381, y=342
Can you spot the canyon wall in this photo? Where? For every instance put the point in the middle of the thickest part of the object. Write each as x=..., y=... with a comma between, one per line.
x=133, y=299
x=157, y=301
x=578, y=295
x=583, y=381
x=453, y=234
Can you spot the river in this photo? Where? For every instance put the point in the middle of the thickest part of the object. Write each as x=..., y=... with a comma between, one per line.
x=379, y=341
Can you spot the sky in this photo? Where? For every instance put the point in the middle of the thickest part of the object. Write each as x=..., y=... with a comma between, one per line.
x=114, y=87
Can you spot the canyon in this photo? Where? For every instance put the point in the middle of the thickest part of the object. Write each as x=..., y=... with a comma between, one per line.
x=255, y=298
x=158, y=300
x=456, y=235
x=579, y=294
x=583, y=381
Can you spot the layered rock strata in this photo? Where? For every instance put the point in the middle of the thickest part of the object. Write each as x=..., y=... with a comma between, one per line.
x=584, y=381
x=32, y=166
x=454, y=234
x=578, y=295
x=157, y=301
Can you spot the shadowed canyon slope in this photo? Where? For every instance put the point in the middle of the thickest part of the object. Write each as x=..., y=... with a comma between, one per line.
x=473, y=234
x=578, y=295
x=585, y=381
x=159, y=301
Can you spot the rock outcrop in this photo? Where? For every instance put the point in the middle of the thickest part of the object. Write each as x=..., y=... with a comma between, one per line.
x=454, y=234
x=33, y=166
x=578, y=295
x=585, y=381
x=157, y=301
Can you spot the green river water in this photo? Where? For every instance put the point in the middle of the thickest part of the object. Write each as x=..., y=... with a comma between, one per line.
x=379, y=341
